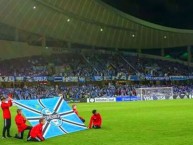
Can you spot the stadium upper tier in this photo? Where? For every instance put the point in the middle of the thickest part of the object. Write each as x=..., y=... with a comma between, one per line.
x=89, y=65
x=88, y=22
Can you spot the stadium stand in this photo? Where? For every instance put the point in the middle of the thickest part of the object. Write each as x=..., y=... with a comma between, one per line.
x=84, y=66
x=89, y=66
x=84, y=54
x=85, y=91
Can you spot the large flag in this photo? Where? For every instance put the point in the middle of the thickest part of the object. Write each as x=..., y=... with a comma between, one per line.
x=60, y=118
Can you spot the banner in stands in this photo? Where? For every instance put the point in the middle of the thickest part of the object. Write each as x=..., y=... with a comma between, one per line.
x=58, y=79
x=71, y=79
x=121, y=76
x=7, y=78
x=19, y=79
x=97, y=78
x=156, y=78
x=106, y=78
x=32, y=79
x=81, y=79
x=40, y=79
x=28, y=79
x=96, y=100
x=87, y=79
x=60, y=118
x=133, y=78
x=179, y=78
x=127, y=98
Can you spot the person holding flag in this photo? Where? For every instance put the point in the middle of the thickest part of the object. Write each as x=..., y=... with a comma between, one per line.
x=5, y=105
x=74, y=108
x=95, y=120
x=21, y=125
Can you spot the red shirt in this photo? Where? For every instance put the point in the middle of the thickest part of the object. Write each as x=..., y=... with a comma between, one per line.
x=36, y=131
x=95, y=120
x=5, y=107
x=75, y=111
x=20, y=122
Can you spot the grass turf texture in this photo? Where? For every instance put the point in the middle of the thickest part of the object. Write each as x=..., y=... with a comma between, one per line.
x=168, y=122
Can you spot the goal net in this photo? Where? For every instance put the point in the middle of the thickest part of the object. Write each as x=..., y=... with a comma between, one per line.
x=157, y=93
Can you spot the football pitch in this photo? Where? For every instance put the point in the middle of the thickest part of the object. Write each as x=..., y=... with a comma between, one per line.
x=168, y=122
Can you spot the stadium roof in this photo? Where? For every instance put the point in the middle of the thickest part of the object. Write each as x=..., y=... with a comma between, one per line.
x=89, y=22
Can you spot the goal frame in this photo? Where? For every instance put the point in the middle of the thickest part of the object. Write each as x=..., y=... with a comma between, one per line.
x=143, y=98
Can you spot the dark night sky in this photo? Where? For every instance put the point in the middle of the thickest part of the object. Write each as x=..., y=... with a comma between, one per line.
x=172, y=13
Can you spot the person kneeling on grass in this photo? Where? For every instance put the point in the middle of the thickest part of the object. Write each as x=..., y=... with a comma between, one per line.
x=21, y=125
x=95, y=120
x=36, y=133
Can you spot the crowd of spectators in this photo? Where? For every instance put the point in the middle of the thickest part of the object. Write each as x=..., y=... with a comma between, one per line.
x=72, y=64
x=84, y=91
x=158, y=68
x=88, y=65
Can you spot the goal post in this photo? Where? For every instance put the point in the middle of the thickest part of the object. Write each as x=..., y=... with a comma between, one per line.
x=155, y=93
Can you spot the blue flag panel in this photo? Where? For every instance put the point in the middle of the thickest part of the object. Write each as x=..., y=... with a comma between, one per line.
x=60, y=118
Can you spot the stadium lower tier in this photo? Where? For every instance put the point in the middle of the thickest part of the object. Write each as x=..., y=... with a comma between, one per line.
x=87, y=91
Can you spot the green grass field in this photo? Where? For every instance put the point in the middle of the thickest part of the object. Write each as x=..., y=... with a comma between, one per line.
x=168, y=122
